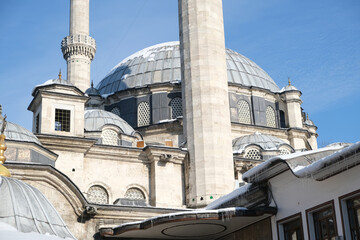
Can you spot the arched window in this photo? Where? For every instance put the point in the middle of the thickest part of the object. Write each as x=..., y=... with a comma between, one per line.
x=135, y=194
x=176, y=107
x=143, y=114
x=282, y=119
x=253, y=154
x=97, y=194
x=243, y=112
x=109, y=137
x=284, y=151
x=270, y=117
x=116, y=111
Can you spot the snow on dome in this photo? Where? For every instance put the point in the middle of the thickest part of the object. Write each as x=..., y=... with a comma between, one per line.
x=95, y=119
x=53, y=81
x=25, y=209
x=161, y=64
x=18, y=133
x=265, y=141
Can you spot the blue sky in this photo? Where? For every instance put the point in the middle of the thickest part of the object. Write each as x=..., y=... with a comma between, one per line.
x=316, y=43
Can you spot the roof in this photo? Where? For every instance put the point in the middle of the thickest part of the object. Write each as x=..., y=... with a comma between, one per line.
x=49, y=82
x=319, y=164
x=18, y=133
x=265, y=141
x=161, y=63
x=96, y=119
x=27, y=209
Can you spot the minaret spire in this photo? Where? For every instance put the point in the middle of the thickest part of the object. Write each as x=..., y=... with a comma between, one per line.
x=79, y=48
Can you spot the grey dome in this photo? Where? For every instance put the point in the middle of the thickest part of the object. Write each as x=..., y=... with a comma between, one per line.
x=18, y=133
x=161, y=63
x=265, y=141
x=95, y=119
x=27, y=209
x=309, y=122
x=91, y=91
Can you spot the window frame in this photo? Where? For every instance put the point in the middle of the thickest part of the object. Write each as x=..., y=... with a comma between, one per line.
x=310, y=219
x=239, y=112
x=344, y=212
x=101, y=187
x=266, y=116
x=69, y=119
x=138, y=114
x=280, y=225
x=172, y=108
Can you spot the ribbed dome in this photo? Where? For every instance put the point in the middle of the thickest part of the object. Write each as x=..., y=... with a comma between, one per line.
x=27, y=209
x=161, y=63
x=266, y=142
x=18, y=133
x=95, y=119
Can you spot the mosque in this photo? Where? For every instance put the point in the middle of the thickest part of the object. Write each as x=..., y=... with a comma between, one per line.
x=181, y=140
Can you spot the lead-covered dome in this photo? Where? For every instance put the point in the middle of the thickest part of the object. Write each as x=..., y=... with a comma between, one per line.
x=161, y=63
x=96, y=119
x=18, y=133
x=27, y=209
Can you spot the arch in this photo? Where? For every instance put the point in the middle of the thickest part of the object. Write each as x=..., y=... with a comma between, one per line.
x=284, y=151
x=116, y=111
x=243, y=109
x=109, y=137
x=143, y=113
x=135, y=193
x=270, y=117
x=97, y=194
x=176, y=107
x=253, y=153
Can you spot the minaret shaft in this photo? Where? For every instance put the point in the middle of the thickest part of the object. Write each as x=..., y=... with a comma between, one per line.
x=79, y=48
x=205, y=97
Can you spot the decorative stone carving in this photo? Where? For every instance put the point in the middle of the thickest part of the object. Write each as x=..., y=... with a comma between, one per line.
x=78, y=45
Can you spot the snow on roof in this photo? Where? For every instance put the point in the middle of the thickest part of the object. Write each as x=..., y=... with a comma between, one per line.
x=300, y=165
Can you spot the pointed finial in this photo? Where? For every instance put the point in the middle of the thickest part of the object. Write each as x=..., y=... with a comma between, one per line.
x=3, y=170
x=307, y=116
x=289, y=81
x=92, y=83
x=4, y=122
x=0, y=111
x=59, y=73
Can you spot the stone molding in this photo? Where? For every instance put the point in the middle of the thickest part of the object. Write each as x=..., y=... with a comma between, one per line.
x=78, y=45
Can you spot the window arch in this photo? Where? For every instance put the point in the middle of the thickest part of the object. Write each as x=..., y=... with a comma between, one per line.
x=134, y=194
x=176, y=107
x=116, y=111
x=97, y=194
x=143, y=113
x=284, y=151
x=253, y=153
x=270, y=117
x=243, y=109
x=109, y=137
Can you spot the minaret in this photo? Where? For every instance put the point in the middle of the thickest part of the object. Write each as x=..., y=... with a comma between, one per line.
x=79, y=48
x=206, y=102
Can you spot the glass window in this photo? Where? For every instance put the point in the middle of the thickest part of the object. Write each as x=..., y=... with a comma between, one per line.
x=176, y=107
x=270, y=117
x=134, y=193
x=62, y=120
x=324, y=224
x=37, y=124
x=243, y=112
x=143, y=114
x=353, y=206
x=282, y=119
x=284, y=151
x=97, y=194
x=109, y=137
x=116, y=111
x=253, y=154
x=293, y=230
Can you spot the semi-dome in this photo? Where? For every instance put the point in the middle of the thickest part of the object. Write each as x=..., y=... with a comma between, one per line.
x=265, y=141
x=27, y=209
x=96, y=119
x=161, y=63
x=18, y=133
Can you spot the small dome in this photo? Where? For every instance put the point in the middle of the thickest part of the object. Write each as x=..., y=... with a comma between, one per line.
x=289, y=88
x=161, y=63
x=18, y=133
x=27, y=209
x=95, y=119
x=265, y=141
x=309, y=122
x=91, y=91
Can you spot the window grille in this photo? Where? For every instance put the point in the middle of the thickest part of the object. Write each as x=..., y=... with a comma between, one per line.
x=97, y=194
x=243, y=112
x=176, y=107
x=253, y=154
x=109, y=137
x=270, y=117
x=143, y=114
x=37, y=124
x=284, y=151
x=62, y=120
x=134, y=193
x=116, y=111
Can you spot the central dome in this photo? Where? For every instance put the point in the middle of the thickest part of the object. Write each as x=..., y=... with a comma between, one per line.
x=161, y=63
